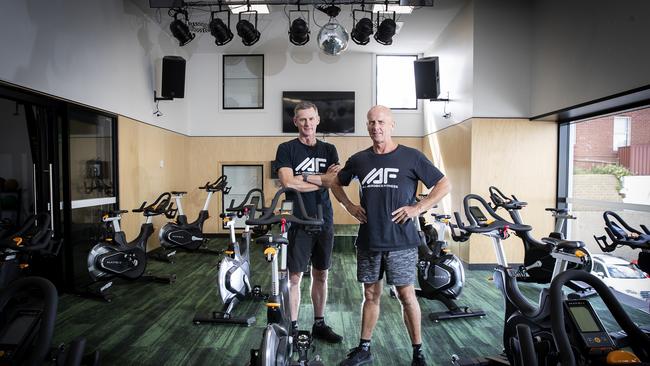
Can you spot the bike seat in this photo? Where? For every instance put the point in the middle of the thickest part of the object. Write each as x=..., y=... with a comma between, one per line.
x=564, y=244
x=272, y=239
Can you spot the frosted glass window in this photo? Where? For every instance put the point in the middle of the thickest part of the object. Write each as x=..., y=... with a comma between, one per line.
x=396, y=81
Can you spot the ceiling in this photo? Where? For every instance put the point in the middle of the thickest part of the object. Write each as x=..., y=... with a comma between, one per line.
x=417, y=33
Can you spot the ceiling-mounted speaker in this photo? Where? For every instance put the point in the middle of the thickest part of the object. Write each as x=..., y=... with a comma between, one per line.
x=173, y=77
x=427, y=78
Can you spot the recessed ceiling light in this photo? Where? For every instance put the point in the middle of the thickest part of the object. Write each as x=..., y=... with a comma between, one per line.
x=261, y=9
x=391, y=7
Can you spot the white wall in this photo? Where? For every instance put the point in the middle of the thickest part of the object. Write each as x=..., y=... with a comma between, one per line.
x=455, y=49
x=98, y=53
x=588, y=49
x=502, y=58
x=284, y=69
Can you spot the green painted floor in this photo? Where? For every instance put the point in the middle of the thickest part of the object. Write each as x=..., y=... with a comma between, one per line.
x=151, y=324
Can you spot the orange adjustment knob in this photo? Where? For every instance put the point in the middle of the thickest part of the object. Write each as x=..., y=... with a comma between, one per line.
x=620, y=357
x=273, y=304
x=23, y=265
x=270, y=250
x=580, y=253
x=18, y=240
x=229, y=252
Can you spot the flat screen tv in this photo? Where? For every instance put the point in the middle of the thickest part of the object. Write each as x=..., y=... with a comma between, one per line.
x=336, y=110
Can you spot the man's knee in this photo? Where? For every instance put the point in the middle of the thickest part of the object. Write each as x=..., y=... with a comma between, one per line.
x=295, y=278
x=372, y=292
x=318, y=275
x=406, y=295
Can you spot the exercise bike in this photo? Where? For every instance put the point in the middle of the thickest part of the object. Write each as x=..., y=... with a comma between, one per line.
x=538, y=263
x=621, y=233
x=17, y=250
x=115, y=257
x=441, y=275
x=27, y=317
x=579, y=336
x=182, y=234
x=518, y=309
x=278, y=343
x=233, y=280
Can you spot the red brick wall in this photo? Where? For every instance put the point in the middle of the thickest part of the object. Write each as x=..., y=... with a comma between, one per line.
x=594, y=138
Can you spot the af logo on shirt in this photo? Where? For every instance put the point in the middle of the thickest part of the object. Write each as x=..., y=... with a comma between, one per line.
x=311, y=165
x=379, y=178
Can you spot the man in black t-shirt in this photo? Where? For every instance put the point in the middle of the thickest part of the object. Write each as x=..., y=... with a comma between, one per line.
x=387, y=242
x=299, y=163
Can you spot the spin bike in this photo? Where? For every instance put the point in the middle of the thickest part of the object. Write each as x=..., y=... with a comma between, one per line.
x=441, y=275
x=115, y=257
x=518, y=309
x=620, y=233
x=233, y=280
x=579, y=335
x=182, y=234
x=538, y=263
x=17, y=250
x=278, y=343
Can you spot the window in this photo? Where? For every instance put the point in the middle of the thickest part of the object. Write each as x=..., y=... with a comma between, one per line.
x=241, y=178
x=621, y=132
x=396, y=81
x=243, y=81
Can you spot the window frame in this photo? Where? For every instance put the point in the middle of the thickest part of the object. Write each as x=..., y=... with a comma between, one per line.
x=628, y=126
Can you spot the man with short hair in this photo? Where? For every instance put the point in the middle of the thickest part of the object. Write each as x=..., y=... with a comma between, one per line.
x=299, y=162
x=387, y=241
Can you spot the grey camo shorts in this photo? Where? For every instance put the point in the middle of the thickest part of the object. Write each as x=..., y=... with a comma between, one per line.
x=399, y=266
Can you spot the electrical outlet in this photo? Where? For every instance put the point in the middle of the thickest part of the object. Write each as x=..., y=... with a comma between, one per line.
x=162, y=163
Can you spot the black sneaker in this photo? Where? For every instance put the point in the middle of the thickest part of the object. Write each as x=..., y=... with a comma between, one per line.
x=419, y=360
x=357, y=356
x=325, y=333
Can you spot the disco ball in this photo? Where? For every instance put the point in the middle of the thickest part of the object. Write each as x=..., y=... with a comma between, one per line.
x=333, y=39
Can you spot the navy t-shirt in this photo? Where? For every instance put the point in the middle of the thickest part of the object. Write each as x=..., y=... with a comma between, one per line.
x=312, y=159
x=388, y=182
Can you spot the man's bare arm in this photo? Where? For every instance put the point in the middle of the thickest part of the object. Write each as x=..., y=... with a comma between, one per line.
x=356, y=211
x=288, y=180
x=441, y=189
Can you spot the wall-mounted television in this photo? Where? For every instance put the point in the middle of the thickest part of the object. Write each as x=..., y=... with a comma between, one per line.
x=336, y=110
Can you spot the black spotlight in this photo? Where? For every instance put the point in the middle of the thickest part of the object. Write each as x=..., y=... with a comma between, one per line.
x=180, y=30
x=220, y=31
x=299, y=30
x=247, y=31
x=362, y=29
x=386, y=31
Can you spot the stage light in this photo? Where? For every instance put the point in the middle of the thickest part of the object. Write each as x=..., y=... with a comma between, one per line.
x=299, y=29
x=246, y=30
x=219, y=30
x=362, y=29
x=386, y=30
x=180, y=30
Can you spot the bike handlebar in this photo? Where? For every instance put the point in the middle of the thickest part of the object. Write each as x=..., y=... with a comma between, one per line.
x=269, y=217
x=158, y=207
x=475, y=226
x=246, y=205
x=501, y=200
x=218, y=185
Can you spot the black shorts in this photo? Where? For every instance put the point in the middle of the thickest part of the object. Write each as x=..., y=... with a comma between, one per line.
x=304, y=248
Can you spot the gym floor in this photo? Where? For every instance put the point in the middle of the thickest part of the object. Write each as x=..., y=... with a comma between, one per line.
x=151, y=324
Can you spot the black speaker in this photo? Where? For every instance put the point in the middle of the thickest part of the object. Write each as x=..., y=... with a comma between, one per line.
x=173, y=77
x=165, y=3
x=427, y=78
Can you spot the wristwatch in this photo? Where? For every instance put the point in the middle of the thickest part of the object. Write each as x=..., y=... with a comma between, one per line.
x=304, y=176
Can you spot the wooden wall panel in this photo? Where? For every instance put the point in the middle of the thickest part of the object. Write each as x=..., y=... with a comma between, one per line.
x=519, y=157
x=141, y=149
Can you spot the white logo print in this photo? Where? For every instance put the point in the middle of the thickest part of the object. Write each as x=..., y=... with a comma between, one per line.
x=311, y=165
x=379, y=177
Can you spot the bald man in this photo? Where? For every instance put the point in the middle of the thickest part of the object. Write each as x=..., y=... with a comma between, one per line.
x=387, y=241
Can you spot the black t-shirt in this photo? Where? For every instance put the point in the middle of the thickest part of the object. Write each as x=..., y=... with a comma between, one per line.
x=312, y=159
x=388, y=182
